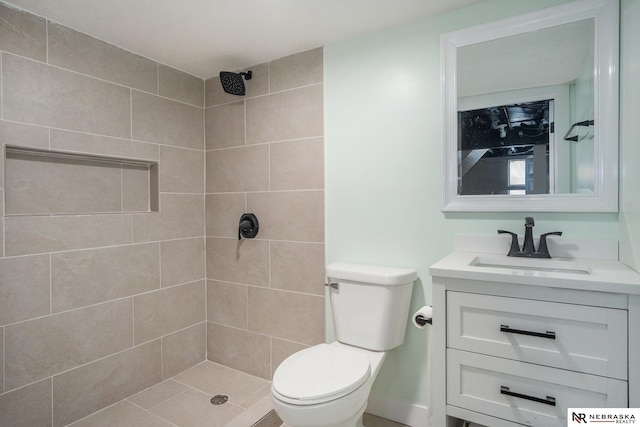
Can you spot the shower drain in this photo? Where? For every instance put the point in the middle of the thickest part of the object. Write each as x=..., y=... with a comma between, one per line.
x=219, y=399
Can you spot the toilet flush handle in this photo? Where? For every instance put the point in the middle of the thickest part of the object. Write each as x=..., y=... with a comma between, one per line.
x=333, y=285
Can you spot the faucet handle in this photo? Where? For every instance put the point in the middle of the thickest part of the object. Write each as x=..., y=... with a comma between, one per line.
x=543, y=250
x=515, y=247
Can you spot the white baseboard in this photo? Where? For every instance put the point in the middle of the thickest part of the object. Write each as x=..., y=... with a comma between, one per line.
x=401, y=412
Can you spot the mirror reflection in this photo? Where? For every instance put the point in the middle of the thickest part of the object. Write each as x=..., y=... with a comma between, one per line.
x=525, y=112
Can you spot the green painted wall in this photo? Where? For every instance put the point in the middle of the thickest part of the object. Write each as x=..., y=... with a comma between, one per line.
x=383, y=167
x=629, y=134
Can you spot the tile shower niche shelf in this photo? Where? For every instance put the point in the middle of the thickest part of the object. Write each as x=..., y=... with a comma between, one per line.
x=45, y=182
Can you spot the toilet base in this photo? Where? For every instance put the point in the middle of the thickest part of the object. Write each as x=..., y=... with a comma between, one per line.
x=353, y=421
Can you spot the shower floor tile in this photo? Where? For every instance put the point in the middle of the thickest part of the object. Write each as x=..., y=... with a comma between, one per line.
x=184, y=401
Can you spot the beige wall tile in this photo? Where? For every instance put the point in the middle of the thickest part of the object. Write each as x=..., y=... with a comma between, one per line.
x=23, y=33
x=298, y=267
x=287, y=315
x=76, y=51
x=84, y=390
x=24, y=288
x=182, y=261
x=297, y=165
x=239, y=349
x=301, y=69
x=239, y=261
x=38, y=185
x=82, y=278
x=30, y=235
x=286, y=115
x=289, y=215
x=238, y=169
x=184, y=349
x=258, y=85
x=168, y=310
x=181, y=170
x=39, y=348
x=27, y=407
x=167, y=122
x=280, y=350
x=23, y=135
x=96, y=144
x=227, y=304
x=180, y=216
x=225, y=125
x=223, y=212
x=136, y=188
x=180, y=86
x=40, y=94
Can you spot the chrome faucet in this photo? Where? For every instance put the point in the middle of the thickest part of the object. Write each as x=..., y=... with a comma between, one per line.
x=528, y=249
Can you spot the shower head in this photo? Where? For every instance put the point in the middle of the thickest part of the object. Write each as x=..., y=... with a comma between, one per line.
x=233, y=83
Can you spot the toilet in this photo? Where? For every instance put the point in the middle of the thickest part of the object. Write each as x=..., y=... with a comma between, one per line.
x=328, y=385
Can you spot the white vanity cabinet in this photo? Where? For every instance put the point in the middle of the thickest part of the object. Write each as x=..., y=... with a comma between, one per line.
x=515, y=346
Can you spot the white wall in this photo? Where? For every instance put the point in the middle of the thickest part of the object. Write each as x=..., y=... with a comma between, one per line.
x=383, y=172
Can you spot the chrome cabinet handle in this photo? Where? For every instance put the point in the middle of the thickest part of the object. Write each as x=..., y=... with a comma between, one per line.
x=547, y=401
x=333, y=285
x=548, y=334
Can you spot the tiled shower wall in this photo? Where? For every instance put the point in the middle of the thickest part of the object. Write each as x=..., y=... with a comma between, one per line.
x=95, y=307
x=265, y=296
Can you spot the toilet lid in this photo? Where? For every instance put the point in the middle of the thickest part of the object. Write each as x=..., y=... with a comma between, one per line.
x=322, y=372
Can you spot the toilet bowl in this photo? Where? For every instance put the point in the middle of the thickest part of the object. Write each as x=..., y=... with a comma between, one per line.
x=325, y=385
x=328, y=385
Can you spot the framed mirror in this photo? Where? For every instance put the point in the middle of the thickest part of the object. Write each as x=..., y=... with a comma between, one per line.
x=530, y=109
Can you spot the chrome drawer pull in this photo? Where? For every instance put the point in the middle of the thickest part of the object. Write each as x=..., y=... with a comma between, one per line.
x=547, y=401
x=548, y=334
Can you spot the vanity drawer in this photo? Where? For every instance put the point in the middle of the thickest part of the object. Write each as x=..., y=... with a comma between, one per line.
x=526, y=393
x=580, y=338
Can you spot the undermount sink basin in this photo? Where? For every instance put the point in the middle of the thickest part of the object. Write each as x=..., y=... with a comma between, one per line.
x=532, y=264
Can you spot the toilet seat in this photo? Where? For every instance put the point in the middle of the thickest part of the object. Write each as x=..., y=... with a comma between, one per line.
x=319, y=374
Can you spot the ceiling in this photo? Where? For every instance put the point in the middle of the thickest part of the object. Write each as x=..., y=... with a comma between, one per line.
x=203, y=37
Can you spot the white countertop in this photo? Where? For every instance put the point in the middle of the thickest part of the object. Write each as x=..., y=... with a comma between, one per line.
x=600, y=276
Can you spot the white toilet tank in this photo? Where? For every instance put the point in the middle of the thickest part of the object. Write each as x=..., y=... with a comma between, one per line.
x=370, y=304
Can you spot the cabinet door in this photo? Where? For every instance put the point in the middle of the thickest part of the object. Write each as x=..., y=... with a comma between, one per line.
x=523, y=392
x=580, y=338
